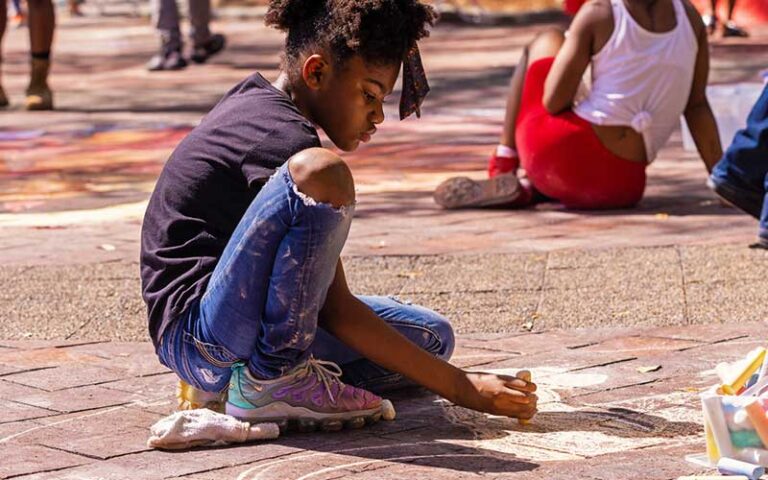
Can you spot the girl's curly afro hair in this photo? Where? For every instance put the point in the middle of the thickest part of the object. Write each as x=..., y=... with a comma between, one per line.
x=380, y=31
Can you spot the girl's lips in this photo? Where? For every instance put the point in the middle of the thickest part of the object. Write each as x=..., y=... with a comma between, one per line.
x=365, y=138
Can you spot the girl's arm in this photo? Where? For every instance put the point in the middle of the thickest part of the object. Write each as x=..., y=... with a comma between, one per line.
x=698, y=114
x=358, y=326
x=574, y=56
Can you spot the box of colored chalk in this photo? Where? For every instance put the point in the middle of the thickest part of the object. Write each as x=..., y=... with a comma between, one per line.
x=736, y=417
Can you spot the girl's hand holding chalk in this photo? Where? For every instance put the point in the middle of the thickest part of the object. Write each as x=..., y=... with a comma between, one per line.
x=524, y=375
x=498, y=395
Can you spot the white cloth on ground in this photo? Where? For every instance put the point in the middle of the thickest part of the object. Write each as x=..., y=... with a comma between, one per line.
x=203, y=427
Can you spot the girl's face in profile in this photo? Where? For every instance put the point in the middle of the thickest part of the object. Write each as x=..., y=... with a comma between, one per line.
x=347, y=101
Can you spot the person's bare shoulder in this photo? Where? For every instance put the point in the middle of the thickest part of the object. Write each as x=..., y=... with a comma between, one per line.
x=595, y=19
x=695, y=18
x=596, y=12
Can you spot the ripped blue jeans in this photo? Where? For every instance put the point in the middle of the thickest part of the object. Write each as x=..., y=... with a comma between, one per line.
x=262, y=303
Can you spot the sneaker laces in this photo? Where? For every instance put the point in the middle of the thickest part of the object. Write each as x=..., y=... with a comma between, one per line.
x=328, y=372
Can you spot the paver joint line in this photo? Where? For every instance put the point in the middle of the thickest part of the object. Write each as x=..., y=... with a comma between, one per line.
x=605, y=364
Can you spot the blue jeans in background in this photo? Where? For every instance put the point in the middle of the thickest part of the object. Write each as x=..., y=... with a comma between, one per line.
x=262, y=303
x=741, y=176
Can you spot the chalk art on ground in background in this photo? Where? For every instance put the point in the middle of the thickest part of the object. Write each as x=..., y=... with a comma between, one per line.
x=104, y=164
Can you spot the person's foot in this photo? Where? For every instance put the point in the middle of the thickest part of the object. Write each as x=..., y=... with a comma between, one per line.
x=310, y=396
x=730, y=29
x=215, y=44
x=167, y=60
x=190, y=398
x=710, y=22
x=499, y=165
x=39, y=94
x=463, y=192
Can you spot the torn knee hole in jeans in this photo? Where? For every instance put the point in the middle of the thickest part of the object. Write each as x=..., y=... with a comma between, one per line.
x=344, y=210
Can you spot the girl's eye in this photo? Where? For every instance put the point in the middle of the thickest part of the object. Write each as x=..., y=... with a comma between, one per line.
x=368, y=97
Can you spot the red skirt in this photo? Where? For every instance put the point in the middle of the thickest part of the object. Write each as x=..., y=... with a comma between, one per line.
x=563, y=157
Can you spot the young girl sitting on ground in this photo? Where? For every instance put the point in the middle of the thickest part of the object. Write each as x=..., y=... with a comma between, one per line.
x=649, y=62
x=241, y=243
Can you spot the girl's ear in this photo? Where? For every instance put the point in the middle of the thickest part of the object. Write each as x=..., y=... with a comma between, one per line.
x=314, y=71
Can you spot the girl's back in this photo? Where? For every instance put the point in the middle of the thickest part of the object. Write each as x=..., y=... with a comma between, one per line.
x=643, y=59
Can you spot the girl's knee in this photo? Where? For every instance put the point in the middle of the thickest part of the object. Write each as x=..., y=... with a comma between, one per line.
x=447, y=338
x=443, y=339
x=323, y=176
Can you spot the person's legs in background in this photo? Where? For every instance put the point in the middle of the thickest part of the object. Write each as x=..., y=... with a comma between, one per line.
x=204, y=43
x=42, y=23
x=166, y=20
x=730, y=29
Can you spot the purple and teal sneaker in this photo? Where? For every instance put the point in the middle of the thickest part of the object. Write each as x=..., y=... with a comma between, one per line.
x=308, y=397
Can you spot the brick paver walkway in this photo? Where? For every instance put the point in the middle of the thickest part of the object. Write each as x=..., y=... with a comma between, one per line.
x=82, y=411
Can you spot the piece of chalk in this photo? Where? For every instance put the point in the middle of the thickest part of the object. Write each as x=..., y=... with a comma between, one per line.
x=731, y=466
x=713, y=414
x=753, y=379
x=759, y=420
x=263, y=431
x=388, y=410
x=752, y=364
x=524, y=375
x=763, y=373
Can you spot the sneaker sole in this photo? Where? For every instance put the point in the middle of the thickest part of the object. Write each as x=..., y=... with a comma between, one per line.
x=299, y=419
x=463, y=192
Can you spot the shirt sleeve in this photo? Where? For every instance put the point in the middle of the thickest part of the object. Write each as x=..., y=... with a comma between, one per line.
x=284, y=141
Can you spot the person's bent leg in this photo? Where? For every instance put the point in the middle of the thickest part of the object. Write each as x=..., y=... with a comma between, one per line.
x=739, y=177
x=426, y=328
x=255, y=308
x=265, y=294
x=505, y=158
x=504, y=189
x=42, y=22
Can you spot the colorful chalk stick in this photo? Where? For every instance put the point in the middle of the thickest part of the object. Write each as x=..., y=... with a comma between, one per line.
x=759, y=420
x=746, y=439
x=525, y=375
x=731, y=466
x=753, y=379
x=741, y=374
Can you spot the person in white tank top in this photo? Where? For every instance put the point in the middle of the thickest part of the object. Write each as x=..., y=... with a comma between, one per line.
x=588, y=148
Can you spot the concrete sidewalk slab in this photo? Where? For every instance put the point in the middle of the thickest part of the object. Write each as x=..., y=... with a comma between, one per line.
x=600, y=417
